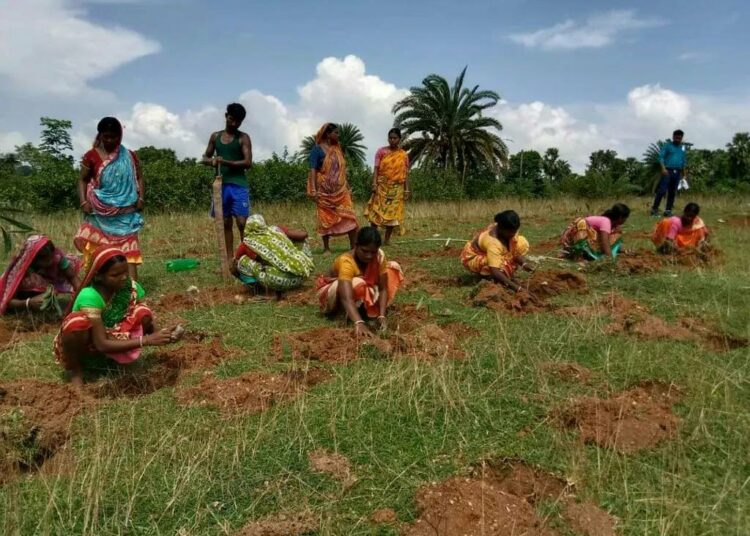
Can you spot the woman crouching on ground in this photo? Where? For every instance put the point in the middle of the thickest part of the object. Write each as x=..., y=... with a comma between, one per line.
x=595, y=237
x=362, y=282
x=107, y=317
x=681, y=232
x=498, y=251
x=275, y=257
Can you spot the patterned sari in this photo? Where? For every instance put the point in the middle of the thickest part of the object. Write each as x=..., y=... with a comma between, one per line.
x=687, y=237
x=581, y=241
x=334, y=201
x=122, y=316
x=20, y=278
x=365, y=287
x=386, y=206
x=113, y=195
x=477, y=259
x=278, y=264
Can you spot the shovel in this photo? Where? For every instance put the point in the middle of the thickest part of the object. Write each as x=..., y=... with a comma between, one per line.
x=219, y=224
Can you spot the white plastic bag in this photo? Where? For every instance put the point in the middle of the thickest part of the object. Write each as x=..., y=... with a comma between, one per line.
x=683, y=185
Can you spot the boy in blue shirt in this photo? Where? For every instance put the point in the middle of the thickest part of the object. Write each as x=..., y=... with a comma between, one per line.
x=673, y=160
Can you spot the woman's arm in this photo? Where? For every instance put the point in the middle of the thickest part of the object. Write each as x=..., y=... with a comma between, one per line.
x=139, y=181
x=499, y=276
x=346, y=297
x=382, y=300
x=72, y=276
x=526, y=264
x=83, y=180
x=604, y=243
x=106, y=345
x=375, y=178
x=312, y=187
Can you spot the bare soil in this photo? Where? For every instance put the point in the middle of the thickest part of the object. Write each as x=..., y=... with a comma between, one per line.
x=253, y=392
x=587, y=519
x=336, y=465
x=35, y=419
x=569, y=372
x=281, y=525
x=635, y=419
x=210, y=297
x=384, y=516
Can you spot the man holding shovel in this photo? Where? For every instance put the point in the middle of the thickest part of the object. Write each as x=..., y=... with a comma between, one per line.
x=230, y=152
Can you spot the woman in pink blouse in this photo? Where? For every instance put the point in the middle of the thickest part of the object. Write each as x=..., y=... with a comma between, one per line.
x=596, y=237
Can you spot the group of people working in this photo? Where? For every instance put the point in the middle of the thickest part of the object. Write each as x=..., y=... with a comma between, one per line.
x=102, y=303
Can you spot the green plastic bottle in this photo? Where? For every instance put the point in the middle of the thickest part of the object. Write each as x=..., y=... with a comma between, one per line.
x=180, y=265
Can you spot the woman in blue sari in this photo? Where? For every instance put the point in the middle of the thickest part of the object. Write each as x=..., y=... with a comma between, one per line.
x=111, y=194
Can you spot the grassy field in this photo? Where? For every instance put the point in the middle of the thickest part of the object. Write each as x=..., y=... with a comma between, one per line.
x=149, y=465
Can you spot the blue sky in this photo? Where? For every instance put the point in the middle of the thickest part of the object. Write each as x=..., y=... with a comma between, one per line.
x=579, y=75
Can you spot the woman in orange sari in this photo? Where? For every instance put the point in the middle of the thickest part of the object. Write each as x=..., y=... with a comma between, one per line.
x=328, y=186
x=681, y=232
x=362, y=282
x=390, y=186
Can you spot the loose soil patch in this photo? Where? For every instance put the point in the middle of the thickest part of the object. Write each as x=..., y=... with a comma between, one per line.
x=281, y=525
x=587, y=519
x=330, y=345
x=197, y=350
x=335, y=465
x=497, y=499
x=250, y=393
x=423, y=280
x=635, y=419
x=647, y=261
x=570, y=372
x=384, y=516
x=632, y=318
x=35, y=419
x=186, y=301
x=547, y=283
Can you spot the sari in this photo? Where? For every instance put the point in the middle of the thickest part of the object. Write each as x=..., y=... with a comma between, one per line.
x=20, y=278
x=270, y=258
x=386, y=205
x=335, y=208
x=581, y=240
x=484, y=251
x=365, y=285
x=682, y=237
x=122, y=317
x=113, y=194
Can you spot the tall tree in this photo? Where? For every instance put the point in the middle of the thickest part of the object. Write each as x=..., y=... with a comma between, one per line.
x=739, y=156
x=56, y=138
x=350, y=140
x=554, y=168
x=444, y=125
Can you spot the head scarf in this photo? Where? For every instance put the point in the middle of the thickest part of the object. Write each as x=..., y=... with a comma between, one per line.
x=320, y=136
x=16, y=271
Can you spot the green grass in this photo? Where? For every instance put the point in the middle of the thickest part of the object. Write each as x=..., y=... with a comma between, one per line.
x=149, y=466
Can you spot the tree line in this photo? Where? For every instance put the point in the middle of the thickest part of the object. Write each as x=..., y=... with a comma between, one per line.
x=454, y=146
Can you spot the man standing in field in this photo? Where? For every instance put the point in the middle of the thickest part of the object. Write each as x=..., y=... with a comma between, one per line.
x=673, y=160
x=232, y=151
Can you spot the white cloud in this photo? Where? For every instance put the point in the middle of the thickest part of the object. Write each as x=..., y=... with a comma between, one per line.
x=9, y=141
x=341, y=91
x=595, y=32
x=49, y=48
x=656, y=104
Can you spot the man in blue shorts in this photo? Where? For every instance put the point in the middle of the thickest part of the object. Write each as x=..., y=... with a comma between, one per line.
x=232, y=150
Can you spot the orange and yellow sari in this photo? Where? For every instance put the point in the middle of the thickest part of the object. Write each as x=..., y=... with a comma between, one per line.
x=386, y=206
x=686, y=237
x=334, y=200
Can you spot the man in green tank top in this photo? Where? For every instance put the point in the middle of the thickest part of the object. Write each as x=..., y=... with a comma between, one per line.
x=232, y=151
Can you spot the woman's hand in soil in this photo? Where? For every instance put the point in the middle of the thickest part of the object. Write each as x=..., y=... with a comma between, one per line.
x=382, y=323
x=160, y=338
x=361, y=330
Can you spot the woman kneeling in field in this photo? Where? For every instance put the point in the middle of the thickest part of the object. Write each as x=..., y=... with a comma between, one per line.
x=275, y=257
x=498, y=251
x=41, y=277
x=596, y=237
x=681, y=232
x=107, y=317
x=362, y=282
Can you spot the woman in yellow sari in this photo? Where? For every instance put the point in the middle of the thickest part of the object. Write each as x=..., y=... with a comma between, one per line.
x=390, y=186
x=328, y=186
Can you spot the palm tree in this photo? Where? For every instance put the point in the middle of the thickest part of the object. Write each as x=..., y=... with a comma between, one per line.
x=444, y=125
x=350, y=140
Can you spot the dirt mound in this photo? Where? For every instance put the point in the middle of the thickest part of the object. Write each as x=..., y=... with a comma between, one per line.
x=253, y=392
x=632, y=318
x=739, y=221
x=35, y=420
x=329, y=345
x=186, y=301
x=587, y=519
x=497, y=499
x=22, y=328
x=635, y=419
x=498, y=298
x=445, y=251
x=551, y=244
x=304, y=296
x=423, y=280
x=571, y=372
x=131, y=384
x=641, y=261
x=281, y=525
x=335, y=465
x=198, y=350
x=555, y=282
x=428, y=342
x=384, y=516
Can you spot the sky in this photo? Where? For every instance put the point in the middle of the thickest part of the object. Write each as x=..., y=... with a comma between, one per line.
x=576, y=75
